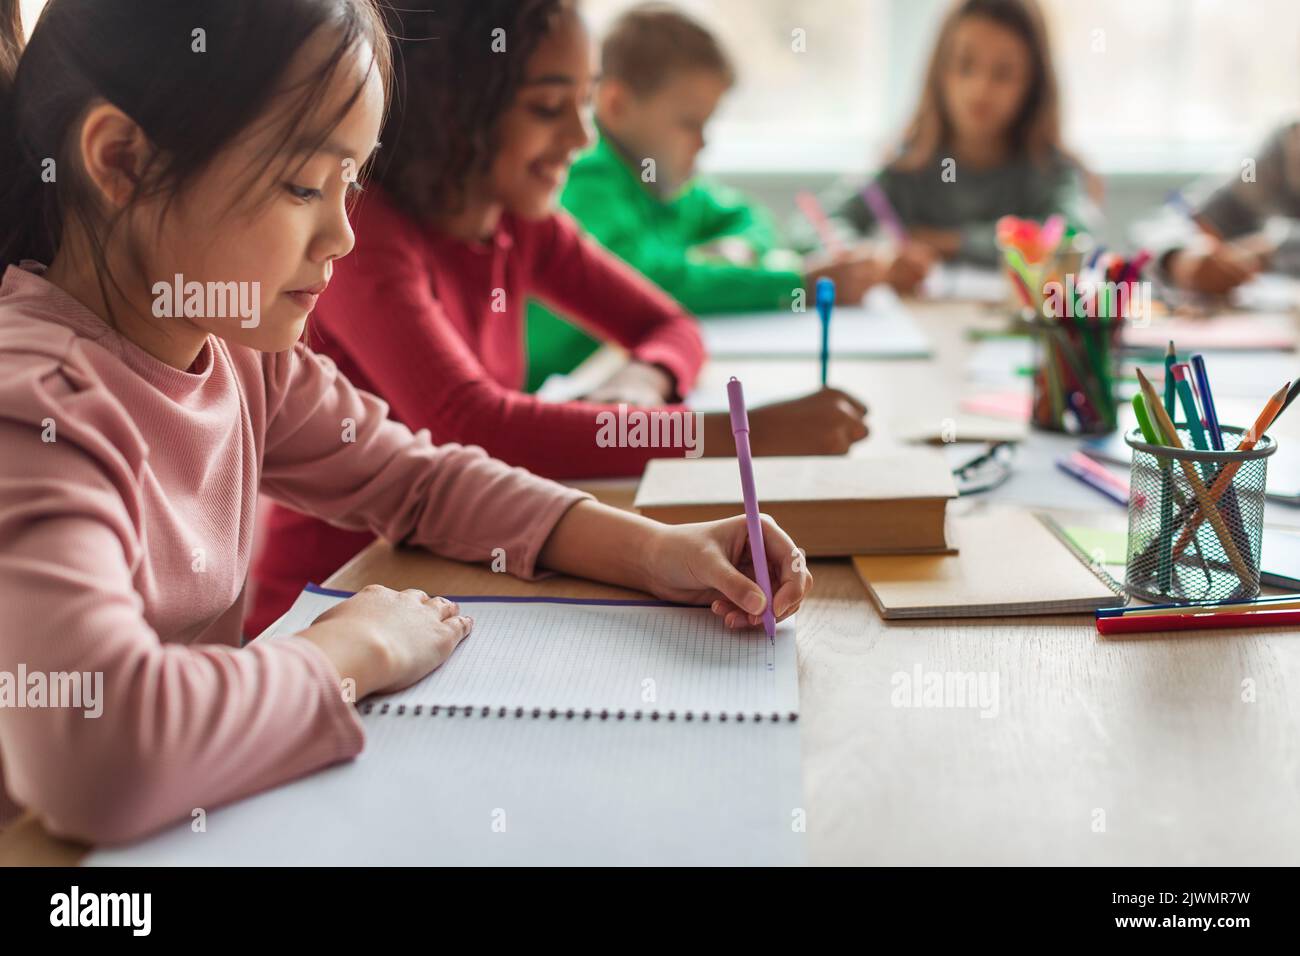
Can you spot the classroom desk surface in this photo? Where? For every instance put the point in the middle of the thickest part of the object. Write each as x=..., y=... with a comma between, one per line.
x=1150, y=750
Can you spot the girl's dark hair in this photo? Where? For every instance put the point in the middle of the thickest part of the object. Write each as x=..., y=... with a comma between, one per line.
x=454, y=82
x=1035, y=132
x=192, y=74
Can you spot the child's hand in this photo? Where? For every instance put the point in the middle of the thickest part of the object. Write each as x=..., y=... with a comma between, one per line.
x=636, y=383
x=385, y=640
x=853, y=272
x=910, y=265
x=709, y=563
x=827, y=422
x=1211, y=267
x=946, y=243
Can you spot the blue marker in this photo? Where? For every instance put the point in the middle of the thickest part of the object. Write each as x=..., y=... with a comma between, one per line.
x=1207, y=402
x=825, y=302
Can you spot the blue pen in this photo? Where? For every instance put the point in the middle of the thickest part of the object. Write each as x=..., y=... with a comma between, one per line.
x=1207, y=401
x=1216, y=442
x=825, y=302
x=1184, y=605
x=1178, y=201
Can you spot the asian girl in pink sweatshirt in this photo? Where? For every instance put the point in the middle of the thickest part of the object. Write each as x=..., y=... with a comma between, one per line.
x=147, y=145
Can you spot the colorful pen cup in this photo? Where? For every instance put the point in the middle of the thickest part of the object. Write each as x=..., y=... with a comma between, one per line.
x=1196, y=535
x=1066, y=260
x=1075, y=369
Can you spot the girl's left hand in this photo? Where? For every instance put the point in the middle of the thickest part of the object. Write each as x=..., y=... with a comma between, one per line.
x=709, y=563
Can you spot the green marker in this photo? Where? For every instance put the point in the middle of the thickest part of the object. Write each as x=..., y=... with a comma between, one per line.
x=1170, y=405
x=1184, y=386
x=1144, y=421
x=1165, y=566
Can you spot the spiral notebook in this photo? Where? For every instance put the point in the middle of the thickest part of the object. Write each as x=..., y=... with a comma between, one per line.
x=559, y=732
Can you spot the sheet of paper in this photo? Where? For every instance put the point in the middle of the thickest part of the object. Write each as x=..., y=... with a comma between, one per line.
x=710, y=397
x=880, y=328
x=1105, y=546
x=1268, y=292
x=1226, y=331
x=965, y=283
x=563, y=388
x=475, y=791
x=633, y=656
x=997, y=361
x=1280, y=558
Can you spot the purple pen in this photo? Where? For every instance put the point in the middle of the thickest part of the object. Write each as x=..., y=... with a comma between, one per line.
x=880, y=207
x=757, y=552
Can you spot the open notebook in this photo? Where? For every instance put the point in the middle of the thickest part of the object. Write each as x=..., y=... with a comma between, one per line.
x=881, y=327
x=559, y=732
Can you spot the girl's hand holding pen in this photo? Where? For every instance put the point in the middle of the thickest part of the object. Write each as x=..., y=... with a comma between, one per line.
x=709, y=563
x=703, y=563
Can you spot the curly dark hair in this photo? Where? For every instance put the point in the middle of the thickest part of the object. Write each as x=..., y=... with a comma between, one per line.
x=452, y=85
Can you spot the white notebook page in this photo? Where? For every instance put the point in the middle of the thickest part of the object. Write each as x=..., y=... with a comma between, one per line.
x=632, y=656
x=880, y=328
x=432, y=791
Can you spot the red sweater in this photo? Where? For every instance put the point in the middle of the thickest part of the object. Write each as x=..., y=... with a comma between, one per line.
x=435, y=326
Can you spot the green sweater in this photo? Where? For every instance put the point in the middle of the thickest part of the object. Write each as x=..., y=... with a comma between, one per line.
x=606, y=196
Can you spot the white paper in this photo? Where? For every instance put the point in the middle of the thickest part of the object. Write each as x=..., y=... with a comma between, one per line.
x=505, y=791
x=965, y=283
x=880, y=328
x=447, y=787
x=630, y=657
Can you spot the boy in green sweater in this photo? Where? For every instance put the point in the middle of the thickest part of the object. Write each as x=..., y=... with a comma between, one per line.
x=634, y=191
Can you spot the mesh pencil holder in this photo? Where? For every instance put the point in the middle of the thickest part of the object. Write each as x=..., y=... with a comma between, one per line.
x=1075, y=368
x=1195, y=519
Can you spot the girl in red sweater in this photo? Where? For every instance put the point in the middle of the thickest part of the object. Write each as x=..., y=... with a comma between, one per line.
x=428, y=313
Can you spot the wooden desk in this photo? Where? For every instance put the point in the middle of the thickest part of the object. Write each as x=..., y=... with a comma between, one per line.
x=1140, y=751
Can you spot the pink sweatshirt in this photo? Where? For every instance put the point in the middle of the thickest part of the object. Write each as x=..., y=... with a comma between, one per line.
x=127, y=494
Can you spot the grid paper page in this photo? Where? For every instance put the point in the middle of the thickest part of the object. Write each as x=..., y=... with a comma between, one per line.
x=447, y=791
x=629, y=656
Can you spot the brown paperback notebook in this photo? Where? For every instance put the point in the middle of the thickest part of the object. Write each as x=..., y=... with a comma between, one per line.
x=1008, y=562
x=832, y=506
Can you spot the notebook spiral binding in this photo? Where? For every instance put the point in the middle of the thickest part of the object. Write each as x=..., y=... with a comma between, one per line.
x=539, y=713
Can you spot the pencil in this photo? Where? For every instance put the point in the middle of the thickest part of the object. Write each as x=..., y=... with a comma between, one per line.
x=1272, y=410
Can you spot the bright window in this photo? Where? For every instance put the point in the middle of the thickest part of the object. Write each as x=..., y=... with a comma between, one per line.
x=1148, y=85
